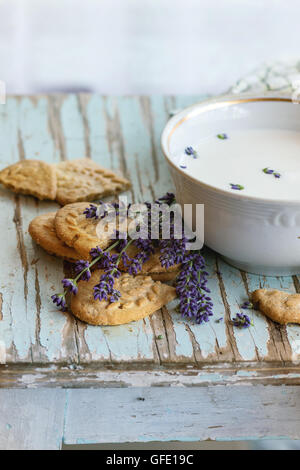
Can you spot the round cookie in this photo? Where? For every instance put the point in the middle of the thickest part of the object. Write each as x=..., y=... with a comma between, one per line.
x=42, y=230
x=33, y=177
x=140, y=297
x=79, y=232
x=85, y=180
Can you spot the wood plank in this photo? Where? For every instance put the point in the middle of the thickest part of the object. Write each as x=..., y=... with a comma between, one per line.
x=31, y=419
x=106, y=141
x=121, y=133
x=116, y=376
x=53, y=334
x=183, y=414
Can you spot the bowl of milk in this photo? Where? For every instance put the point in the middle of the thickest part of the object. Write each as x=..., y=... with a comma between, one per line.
x=239, y=156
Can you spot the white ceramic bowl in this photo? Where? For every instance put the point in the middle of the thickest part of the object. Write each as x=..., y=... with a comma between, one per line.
x=258, y=235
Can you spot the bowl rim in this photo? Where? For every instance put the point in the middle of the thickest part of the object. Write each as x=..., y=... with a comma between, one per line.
x=214, y=103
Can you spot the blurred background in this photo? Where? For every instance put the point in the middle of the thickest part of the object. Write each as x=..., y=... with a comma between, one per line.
x=141, y=46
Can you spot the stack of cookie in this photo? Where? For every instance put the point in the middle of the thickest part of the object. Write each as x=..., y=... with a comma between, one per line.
x=70, y=235
x=65, y=182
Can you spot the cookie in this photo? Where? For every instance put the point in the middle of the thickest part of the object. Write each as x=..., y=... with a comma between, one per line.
x=85, y=180
x=32, y=177
x=78, y=232
x=42, y=230
x=140, y=296
x=280, y=306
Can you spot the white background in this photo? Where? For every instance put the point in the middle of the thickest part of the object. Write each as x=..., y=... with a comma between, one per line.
x=141, y=46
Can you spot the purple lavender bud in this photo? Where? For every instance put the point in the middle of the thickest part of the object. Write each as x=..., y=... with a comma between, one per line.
x=241, y=321
x=268, y=171
x=222, y=136
x=91, y=212
x=95, y=252
x=190, y=288
x=237, y=187
x=115, y=296
x=247, y=305
x=80, y=266
x=168, y=198
x=60, y=301
x=190, y=151
x=71, y=285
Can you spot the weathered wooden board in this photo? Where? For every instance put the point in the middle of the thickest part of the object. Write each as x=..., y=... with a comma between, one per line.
x=183, y=414
x=32, y=420
x=45, y=419
x=121, y=133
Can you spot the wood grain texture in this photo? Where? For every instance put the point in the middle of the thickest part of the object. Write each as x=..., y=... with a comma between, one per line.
x=122, y=133
x=183, y=414
x=31, y=420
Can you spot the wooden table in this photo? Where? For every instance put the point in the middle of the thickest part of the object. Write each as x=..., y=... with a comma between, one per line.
x=162, y=378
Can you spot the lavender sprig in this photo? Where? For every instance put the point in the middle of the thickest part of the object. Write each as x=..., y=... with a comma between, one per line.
x=190, y=151
x=191, y=283
x=60, y=301
x=242, y=321
x=247, y=305
x=168, y=198
x=222, y=136
x=237, y=187
x=191, y=288
x=83, y=268
x=269, y=171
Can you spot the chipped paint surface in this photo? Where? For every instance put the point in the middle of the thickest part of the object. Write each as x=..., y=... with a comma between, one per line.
x=204, y=367
x=124, y=134
x=2, y=353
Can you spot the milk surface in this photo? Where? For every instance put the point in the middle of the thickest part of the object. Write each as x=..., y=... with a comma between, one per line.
x=241, y=158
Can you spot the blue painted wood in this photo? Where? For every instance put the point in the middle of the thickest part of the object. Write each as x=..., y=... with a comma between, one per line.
x=121, y=133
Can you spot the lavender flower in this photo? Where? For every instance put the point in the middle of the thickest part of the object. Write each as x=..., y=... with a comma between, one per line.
x=70, y=285
x=247, y=305
x=190, y=151
x=104, y=290
x=168, y=198
x=222, y=136
x=238, y=187
x=97, y=211
x=268, y=171
x=191, y=288
x=96, y=252
x=82, y=267
x=242, y=321
x=172, y=251
x=60, y=301
x=107, y=261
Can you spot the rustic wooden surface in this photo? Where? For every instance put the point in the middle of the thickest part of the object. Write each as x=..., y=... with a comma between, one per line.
x=121, y=133
x=42, y=347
